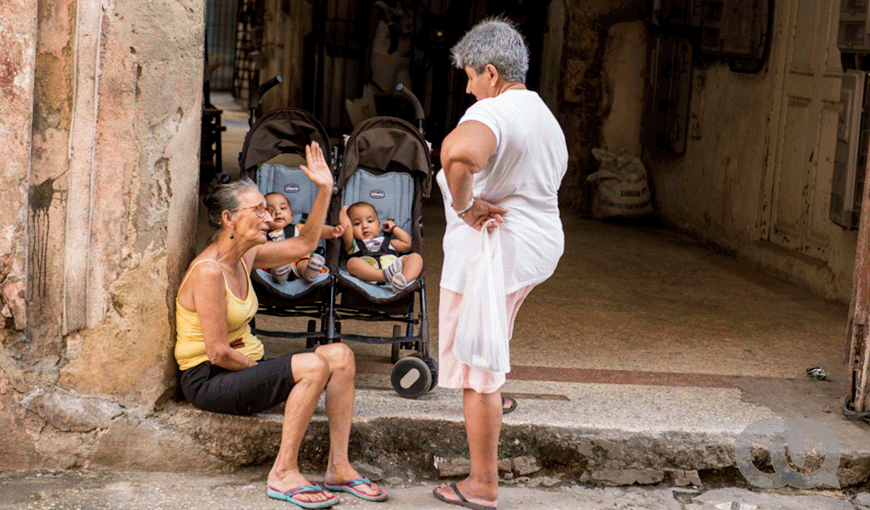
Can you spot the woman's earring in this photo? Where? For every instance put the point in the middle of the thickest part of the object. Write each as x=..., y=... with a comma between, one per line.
x=231, y=236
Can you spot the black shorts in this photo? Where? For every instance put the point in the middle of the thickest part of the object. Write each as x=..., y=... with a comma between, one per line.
x=241, y=392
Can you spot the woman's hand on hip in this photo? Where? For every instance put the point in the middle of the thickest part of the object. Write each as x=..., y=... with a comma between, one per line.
x=481, y=212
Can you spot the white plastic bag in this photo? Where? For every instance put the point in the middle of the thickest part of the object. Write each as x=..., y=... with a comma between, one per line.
x=482, y=332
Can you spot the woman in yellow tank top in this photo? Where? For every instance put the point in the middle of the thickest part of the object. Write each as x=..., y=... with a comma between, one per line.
x=221, y=363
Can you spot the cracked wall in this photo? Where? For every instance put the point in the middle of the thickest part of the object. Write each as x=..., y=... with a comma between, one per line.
x=101, y=105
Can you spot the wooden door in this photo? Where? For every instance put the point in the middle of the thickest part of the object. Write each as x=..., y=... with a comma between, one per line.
x=801, y=166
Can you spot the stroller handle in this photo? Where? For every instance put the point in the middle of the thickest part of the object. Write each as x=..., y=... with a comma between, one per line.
x=254, y=101
x=418, y=108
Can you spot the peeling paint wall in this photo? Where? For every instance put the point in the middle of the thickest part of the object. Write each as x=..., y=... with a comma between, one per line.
x=101, y=104
x=17, y=62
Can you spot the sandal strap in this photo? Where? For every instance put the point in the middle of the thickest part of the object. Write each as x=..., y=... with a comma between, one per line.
x=458, y=494
x=304, y=490
x=358, y=481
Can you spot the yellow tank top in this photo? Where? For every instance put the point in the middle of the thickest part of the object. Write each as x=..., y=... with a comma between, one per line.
x=189, y=344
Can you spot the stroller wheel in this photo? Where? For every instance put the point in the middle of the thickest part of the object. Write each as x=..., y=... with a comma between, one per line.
x=411, y=377
x=433, y=370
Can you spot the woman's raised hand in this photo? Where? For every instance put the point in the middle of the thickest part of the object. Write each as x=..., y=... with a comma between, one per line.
x=317, y=170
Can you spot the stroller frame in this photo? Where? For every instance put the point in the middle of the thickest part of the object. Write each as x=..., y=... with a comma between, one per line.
x=334, y=299
x=286, y=131
x=387, y=146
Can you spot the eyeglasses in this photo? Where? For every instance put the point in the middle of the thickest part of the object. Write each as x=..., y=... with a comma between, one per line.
x=259, y=209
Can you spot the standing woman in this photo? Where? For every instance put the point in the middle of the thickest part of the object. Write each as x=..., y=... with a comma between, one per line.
x=505, y=160
x=221, y=362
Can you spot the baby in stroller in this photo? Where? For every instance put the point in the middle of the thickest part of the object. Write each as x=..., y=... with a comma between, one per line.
x=377, y=258
x=281, y=227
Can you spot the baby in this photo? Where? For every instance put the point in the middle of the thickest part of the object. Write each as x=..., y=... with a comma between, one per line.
x=281, y=227
x=363, y=234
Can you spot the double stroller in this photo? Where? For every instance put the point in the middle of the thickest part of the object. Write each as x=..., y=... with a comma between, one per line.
x=385, y=162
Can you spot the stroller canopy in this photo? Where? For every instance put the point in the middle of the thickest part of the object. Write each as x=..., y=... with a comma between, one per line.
x=383, y=144
x=282, y=131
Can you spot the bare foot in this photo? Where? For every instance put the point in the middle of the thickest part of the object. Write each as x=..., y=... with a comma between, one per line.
x=451, y=493
x=339, y=476
x=289, y=481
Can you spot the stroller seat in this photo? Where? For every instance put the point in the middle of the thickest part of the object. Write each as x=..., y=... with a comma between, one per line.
x=300, y=193
x=279, y=134
x=392, y=196
x=387, y=164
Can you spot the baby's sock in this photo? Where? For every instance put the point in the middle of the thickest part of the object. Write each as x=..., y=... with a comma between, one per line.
x=281, y=273
x=398, y=282
x=392, y=270
x=315, y=264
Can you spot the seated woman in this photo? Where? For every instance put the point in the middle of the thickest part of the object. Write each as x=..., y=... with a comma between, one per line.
x=221, y=362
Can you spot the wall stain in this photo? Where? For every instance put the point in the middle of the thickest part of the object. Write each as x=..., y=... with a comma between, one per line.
x=39, y=199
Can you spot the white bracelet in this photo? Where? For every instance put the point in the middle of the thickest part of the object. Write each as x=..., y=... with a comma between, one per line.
x=467, y=208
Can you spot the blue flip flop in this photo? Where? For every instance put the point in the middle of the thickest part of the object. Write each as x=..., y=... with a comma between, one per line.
x=304, y=489
x=350, y=487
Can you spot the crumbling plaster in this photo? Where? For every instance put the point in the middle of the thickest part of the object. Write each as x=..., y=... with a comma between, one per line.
x=101, y=105
x=17, y=58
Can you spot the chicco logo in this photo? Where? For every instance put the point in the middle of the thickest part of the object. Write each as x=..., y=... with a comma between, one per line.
x=377, y=193
x=291, y=188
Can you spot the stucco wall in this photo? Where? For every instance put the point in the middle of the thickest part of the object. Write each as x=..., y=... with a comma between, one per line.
x=101, y=113
x=715, y=188
x=18, y=44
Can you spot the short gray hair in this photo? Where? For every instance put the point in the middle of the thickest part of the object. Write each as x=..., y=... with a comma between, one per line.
x=224, y=196
x=493, y=41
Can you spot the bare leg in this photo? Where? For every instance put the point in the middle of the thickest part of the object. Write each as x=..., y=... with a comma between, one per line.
x=412, y=266
x=311, y=372
x=301, y=265
x=339, y=411
x=362, y=270
x=483, y=426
